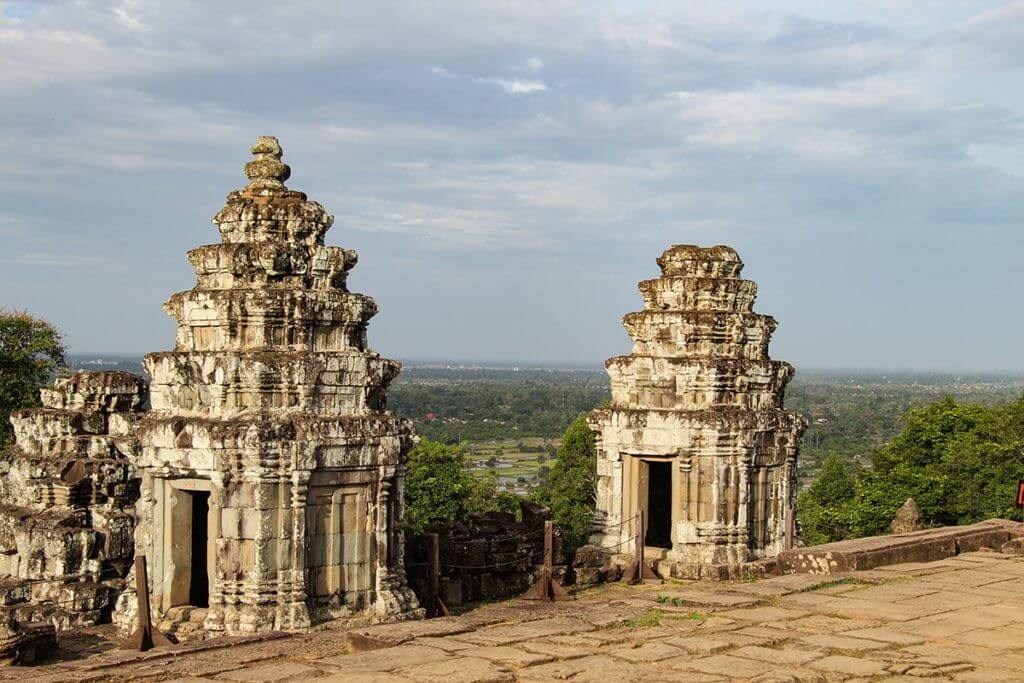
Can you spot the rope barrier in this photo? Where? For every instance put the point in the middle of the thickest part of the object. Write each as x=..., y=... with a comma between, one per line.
x=67, y=580
x=496, y=564
x=71, y=579
x=501, y=539
x=617, y=545
x=606, y=527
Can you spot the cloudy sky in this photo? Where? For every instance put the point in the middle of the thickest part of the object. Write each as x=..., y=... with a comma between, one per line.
x=509, y=170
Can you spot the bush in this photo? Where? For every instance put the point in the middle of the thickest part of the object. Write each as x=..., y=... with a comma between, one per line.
x=569, y=487
x=440, y=489
x=827, y=510
x=960, y=462
x=31, y=350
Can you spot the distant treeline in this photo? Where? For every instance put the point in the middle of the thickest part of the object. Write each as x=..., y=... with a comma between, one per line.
x=849, y=413
x=453, y=406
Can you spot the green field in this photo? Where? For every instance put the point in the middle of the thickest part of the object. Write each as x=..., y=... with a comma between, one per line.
x=518, y=460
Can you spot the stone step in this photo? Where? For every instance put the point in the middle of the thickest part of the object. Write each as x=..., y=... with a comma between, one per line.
x=185, y=628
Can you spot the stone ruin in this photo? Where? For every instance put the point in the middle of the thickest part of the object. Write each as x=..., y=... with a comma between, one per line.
x=66, y=524
x=487, y=556
x=696, y=438
x=907, y=518
x=271, y=471
x=260, y=472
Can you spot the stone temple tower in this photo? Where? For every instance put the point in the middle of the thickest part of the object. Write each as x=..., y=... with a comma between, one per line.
x=272, y=472
x=696, y=437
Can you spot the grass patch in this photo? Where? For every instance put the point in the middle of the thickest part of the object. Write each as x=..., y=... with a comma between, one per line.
x=829, y=583
x=648, y=619
x=699, y=617
x=669, y=600
x=768, y=601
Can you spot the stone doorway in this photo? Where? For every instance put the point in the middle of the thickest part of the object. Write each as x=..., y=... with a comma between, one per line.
x=659, y=504
x=199, y=580
x=183, y=563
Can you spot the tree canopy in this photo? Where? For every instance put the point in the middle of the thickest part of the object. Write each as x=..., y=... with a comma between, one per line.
x=31, y=350
x=569, y=488
x=440, y=489
x=960, y=462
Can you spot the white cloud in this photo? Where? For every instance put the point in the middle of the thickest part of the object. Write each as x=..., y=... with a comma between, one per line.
x=517, y=87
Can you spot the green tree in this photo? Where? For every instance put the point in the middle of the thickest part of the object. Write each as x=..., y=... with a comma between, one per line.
x=827, y=510
x=437, y=486
x=485, y=496
x=569, y=488
x=31, y=350
x=960, y=462
x=440, y=489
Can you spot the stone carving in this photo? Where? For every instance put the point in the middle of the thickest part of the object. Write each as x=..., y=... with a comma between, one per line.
x=696, y=437
x=66, y=529
x=908, y=518
x=272, y=473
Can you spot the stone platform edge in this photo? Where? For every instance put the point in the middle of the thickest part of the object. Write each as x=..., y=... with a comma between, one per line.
x=870, y=552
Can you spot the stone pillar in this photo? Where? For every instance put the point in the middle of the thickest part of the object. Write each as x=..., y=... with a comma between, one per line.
x=215, y=614
x=296, y=614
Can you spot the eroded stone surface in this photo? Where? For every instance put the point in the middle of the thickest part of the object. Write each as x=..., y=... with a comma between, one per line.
x=67, y=487
x=908, y=518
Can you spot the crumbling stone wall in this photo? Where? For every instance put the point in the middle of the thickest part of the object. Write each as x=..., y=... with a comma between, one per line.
x=697, y=409
x=269, y=421
x=487, y=557
x=67, y=489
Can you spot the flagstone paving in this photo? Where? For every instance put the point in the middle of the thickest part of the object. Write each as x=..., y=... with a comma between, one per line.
x=956, y=619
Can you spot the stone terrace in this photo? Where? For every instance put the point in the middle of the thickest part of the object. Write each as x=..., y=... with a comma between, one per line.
x=960, y=618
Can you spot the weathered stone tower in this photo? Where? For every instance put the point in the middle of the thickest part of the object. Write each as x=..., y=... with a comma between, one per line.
x=696, y=437
x=271, y=470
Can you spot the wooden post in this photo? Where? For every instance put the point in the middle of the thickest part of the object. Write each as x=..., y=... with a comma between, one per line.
x=790, y=527
x=145, y=637
x=435, y=606
x=546, y=588
x=639, y=571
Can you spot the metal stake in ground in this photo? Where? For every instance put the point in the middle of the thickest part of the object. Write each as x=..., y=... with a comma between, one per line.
x=547, y=588
x=145, y=637
x=639, y=571
x=435, y=606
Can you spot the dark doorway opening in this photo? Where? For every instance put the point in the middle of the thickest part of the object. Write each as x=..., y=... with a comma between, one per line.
x=659, y=505
x=199, y=586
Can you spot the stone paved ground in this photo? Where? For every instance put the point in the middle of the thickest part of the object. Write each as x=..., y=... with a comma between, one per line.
x=958, y=619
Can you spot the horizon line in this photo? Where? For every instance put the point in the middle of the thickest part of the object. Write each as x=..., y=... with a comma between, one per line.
x=599, y=365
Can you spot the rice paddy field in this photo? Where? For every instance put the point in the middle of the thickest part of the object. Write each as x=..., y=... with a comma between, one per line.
x=517, y=463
